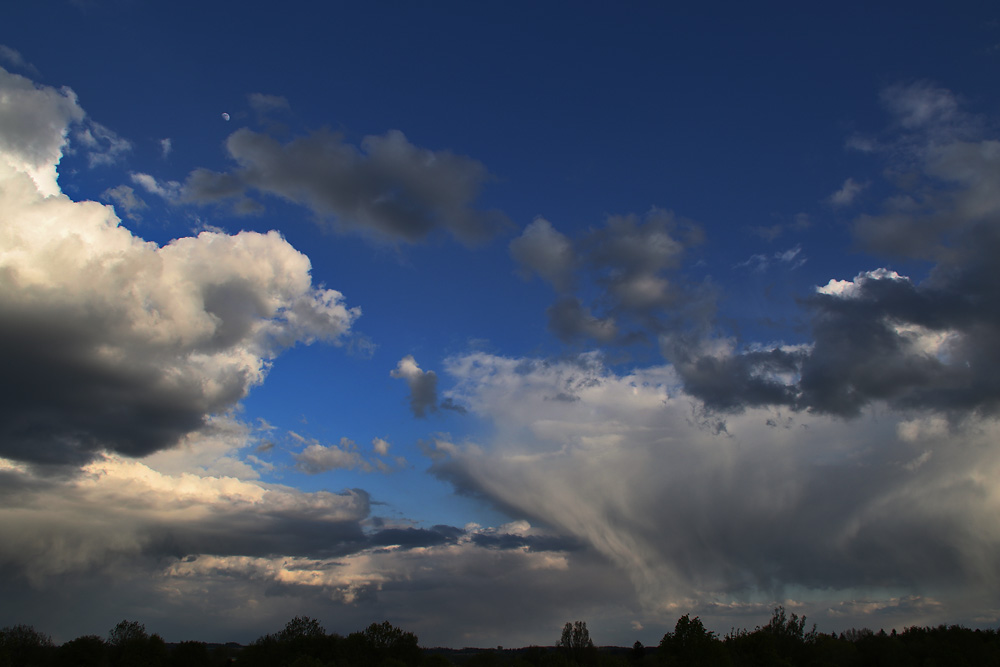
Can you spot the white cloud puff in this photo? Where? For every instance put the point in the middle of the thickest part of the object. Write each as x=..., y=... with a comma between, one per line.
x=117, y=343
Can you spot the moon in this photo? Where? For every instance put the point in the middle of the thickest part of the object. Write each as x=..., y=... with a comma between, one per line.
x=225, y=116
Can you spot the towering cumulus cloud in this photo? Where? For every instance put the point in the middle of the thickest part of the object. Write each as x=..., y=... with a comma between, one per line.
x=113, y=343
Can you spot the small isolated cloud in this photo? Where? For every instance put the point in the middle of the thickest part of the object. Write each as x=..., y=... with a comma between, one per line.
x=265, y=104
x=125, y=198
x=317, y=458
x=166, y=146
x=920, y=104
x=769, y=233
x=387, y=188
x=423, y=385
x=799, y=222
x=381, y=446
x=847, y=193
x=760, y=263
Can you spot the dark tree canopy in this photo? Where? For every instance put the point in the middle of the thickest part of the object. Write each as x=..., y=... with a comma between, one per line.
x=126, y=632
x=692, y=644
x=301, y=627
x=783, y=642
x=24, y=645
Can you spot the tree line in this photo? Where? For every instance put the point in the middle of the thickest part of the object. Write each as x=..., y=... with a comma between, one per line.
x=303, y=642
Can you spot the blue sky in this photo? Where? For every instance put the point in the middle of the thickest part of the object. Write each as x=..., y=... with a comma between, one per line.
x=481, y=319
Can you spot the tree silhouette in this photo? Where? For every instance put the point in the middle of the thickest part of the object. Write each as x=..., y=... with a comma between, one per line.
x=125, y=632
x=637, y=653
x=23, y=645
x=301, y=627
x=691, y=644
x=576, y=644
x=190, y=654
x=384, y=642
x=131, y=646
x=85, y=651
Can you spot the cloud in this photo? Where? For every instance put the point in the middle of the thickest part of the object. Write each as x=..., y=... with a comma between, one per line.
x=570, y=320
x=103, y=146
x=166, y=146
x=699, y=515
x=632, y=261
x=14, y=58
x=800, y=221
x=422, y=384
x=218, y=555
x=317, y=458
x=116, y=343
x=381, y=446
x=388, y=188
x=265, y=104
x=125, y=197
x=882, y=337
x=630, y=257
x=119, y=510
x=34, y=122
x=847, y=193
x=543, y=250
x=920, y=104
x=760, y=263
x=169, y=190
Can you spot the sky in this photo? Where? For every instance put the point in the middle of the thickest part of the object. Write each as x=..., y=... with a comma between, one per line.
x=482, y=318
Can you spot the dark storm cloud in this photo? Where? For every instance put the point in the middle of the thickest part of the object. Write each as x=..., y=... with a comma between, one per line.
x=926, y=345
x=59, y=403
x=495, y=540
x=409, y=538
x=733, y=382
x=387, y=188
x=231, y=532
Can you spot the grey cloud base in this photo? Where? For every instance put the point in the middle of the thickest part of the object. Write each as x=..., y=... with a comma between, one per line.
x=777, y=505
